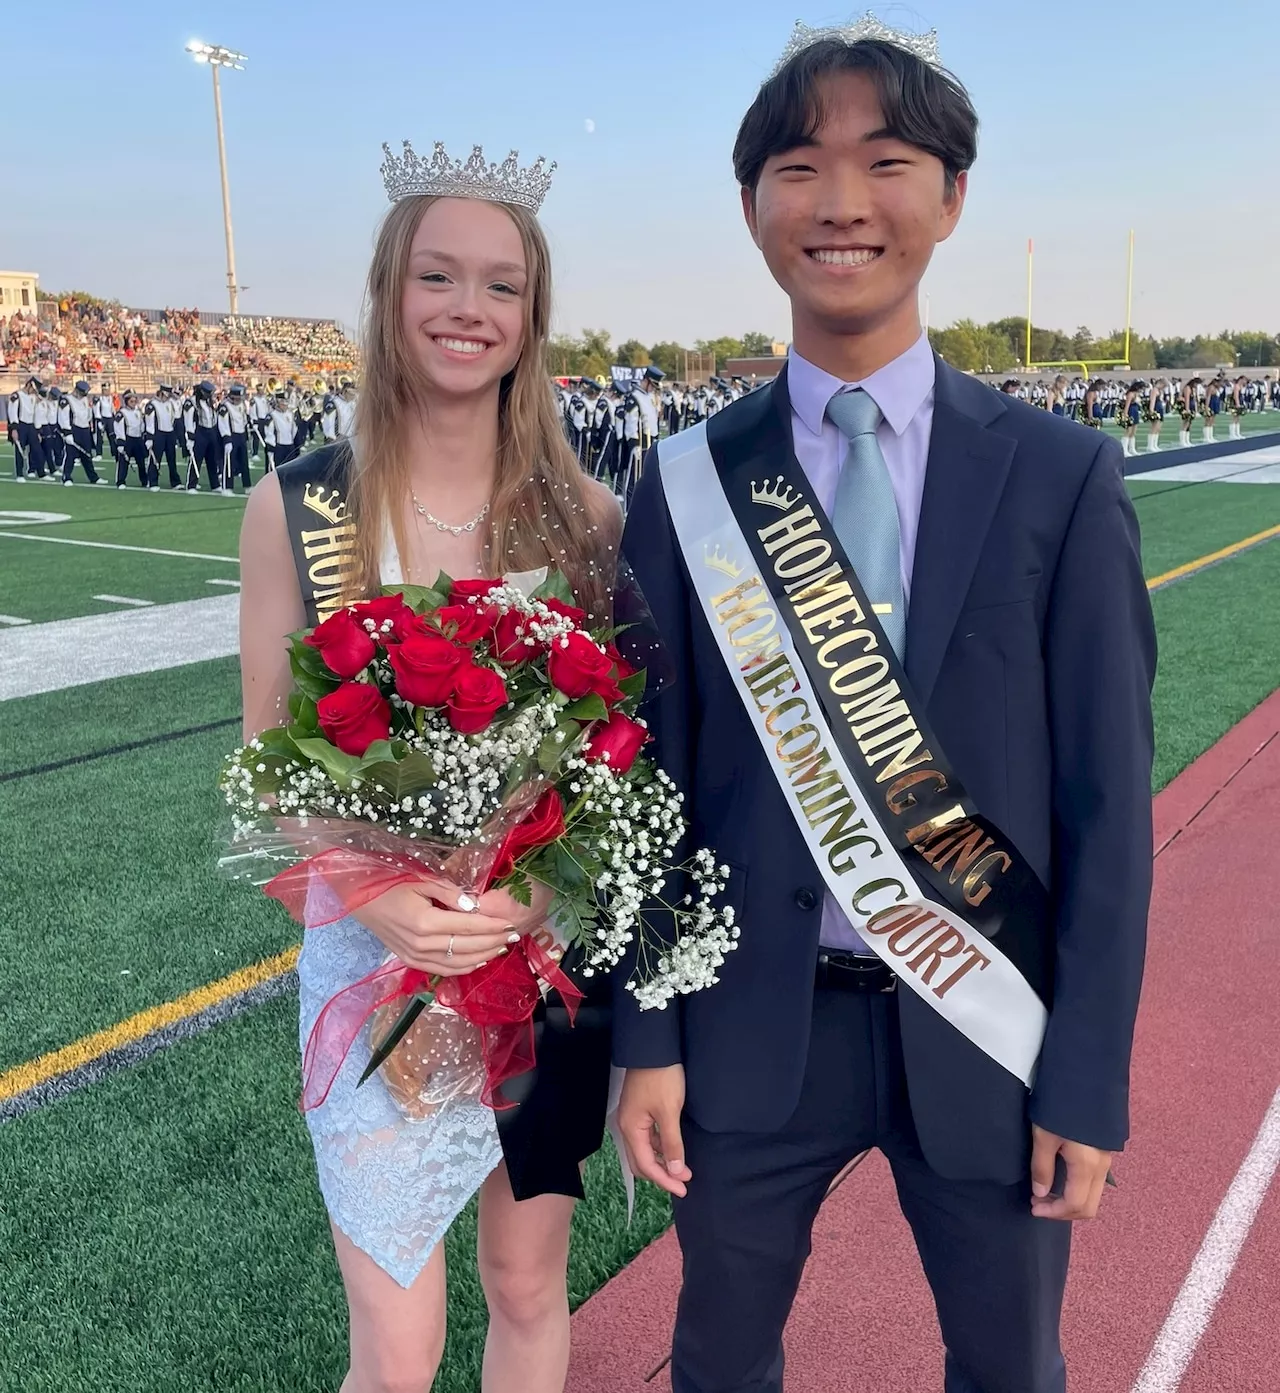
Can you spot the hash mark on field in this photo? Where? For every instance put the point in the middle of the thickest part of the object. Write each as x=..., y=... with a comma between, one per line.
x=233, y=584
x=12, y=619
x=123, y=600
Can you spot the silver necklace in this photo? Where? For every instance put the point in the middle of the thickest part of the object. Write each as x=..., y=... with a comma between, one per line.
x=448, y=526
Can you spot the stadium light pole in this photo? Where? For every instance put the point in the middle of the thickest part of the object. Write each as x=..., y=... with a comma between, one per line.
x=218, y=57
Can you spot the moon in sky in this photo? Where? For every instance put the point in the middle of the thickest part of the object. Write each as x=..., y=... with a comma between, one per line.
x=589, y=126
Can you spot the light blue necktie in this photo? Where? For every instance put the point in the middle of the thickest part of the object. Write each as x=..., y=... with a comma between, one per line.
x=865, y=516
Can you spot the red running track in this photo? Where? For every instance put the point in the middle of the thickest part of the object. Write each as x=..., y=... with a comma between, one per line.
x=1205, y=1071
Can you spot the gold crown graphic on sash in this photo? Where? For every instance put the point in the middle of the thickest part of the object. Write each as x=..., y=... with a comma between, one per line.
x=776, y=494
x=329, y=503
x=719, y=560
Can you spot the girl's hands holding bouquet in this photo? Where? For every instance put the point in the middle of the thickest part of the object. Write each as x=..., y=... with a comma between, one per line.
x=411, y=923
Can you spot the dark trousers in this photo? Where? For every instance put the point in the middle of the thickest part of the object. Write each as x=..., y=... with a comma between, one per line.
x=80, y=450
x=164, y=449
x=236, y=455
x=996, y=1273
x=52, y=443
x=29, y=457
x=284, y=453
x=106, y=432
x=131, y=450
x=206, y=453
x=260, y=436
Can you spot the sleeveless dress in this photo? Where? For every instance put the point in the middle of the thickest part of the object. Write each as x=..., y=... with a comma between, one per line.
x=391, y=1185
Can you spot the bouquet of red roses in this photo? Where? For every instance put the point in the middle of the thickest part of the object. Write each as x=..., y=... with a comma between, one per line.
x=473, y=732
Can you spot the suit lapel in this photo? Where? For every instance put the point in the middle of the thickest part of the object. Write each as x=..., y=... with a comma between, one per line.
x=966, y=473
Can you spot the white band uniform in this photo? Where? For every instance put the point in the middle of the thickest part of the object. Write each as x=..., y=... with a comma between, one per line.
x=959, y=972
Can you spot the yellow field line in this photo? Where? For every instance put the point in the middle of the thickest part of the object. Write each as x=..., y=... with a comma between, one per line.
x=91, y=1047
x=1202, y=561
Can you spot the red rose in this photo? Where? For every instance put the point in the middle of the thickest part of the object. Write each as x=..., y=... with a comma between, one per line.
x=508, y=638
x=617, y=741
x=625, y=669
x=354, y=717
x=343, y=642
x=542, y=825
x=576, y=666
x=463, y=590
x=478, y=694
x=383, y=608
x=426, y=666
x=473, y=621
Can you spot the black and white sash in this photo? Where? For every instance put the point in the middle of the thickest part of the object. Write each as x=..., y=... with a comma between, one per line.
x=321, y=534
x=936, y=889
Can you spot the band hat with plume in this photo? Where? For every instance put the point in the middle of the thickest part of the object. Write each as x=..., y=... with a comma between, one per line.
x=409, y=176
x=923, y=46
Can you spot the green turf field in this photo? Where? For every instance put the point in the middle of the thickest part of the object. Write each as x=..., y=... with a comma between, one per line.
x=161, y=1228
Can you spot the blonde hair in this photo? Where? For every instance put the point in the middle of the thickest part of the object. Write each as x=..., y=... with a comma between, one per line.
x=539, y=491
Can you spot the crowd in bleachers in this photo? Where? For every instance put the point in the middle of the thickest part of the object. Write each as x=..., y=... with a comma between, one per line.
x=318, y=344
x=96, y=338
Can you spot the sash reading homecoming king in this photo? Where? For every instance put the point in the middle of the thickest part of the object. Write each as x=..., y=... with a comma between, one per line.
x=927, y=881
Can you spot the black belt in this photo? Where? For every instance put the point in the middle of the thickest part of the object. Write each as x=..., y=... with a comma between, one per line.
x=851, y=972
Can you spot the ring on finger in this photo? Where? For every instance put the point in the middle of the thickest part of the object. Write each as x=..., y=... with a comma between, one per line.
x=448, y=952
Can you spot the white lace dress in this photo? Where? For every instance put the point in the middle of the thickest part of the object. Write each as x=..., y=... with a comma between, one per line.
x=392, y=1185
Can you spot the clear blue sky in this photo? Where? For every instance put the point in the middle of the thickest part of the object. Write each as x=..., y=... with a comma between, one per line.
x=1155, y=114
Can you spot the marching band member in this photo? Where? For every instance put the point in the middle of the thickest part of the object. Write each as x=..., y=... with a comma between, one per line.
x=160, y=415
x=130, y=445
x=260, y=403
x=233, y=428
x=329, y=418
x=45, y=420
x=104, y=411
x=206, y=447
x=75, y=421
x=28, y=451
x=345, y=409
x=282, y=432
x=187, y=415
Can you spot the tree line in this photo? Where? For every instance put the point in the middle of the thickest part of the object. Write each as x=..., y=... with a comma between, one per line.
x=1001, y=346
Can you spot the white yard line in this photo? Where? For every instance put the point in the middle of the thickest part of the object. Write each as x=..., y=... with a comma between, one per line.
x=118, y=546
x=1189, y=1317
x=234, y=584
x=12, y=619
x=124, y=600
x=124, y=643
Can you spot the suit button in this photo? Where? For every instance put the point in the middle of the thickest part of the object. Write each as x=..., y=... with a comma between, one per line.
x=806, y=898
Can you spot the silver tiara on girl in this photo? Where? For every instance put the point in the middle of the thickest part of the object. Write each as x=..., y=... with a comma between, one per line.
x=409, y=175
x=924, y=46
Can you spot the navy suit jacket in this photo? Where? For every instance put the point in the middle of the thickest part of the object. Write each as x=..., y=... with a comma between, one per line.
x=1030, y=645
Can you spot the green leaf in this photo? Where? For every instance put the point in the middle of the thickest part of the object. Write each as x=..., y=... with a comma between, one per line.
x=518, y=887
x=556, y=587
x=341, y=768
x=402, y=778
x=314, y=684
x=633, y=686
x=591, y=707
x=422, y=598
x=557, y=744
x=379, y=751
x=567, y=869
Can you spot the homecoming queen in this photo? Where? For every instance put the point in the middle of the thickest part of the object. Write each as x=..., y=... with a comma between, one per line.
x=458, y=463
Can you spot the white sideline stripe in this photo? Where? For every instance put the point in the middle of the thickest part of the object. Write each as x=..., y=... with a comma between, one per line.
x=123, y=600
x=124, y=643
x=1191, y=1311
x=235, y=584
x=12, y=619
x=118, y=546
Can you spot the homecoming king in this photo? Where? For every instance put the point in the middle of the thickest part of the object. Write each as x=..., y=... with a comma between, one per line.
x=913, y=712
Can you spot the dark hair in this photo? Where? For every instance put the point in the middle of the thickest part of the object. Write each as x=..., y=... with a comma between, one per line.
x=923, y=106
